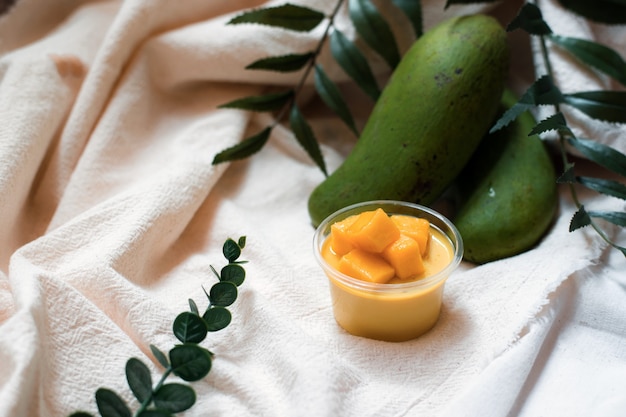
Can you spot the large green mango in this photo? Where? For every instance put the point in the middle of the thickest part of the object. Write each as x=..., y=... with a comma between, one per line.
x=429, y=119
x=508, y=193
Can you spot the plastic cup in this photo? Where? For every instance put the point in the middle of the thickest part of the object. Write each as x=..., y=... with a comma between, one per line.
x=392, y=312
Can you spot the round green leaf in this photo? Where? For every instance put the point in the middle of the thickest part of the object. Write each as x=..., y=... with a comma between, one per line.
x=190, y=362
x=189, y=328
x=81, y=414
x=217, y=318
x=234, y=273
x=231, y=250
x=110, y=404
x=223, y=293
x=175, y=397
x=139, y=379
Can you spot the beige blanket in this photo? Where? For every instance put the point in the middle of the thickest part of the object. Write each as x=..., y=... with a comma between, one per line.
x=112, y=215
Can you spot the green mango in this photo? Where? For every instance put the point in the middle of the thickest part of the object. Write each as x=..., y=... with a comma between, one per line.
x=507, y=192
x=438, y=104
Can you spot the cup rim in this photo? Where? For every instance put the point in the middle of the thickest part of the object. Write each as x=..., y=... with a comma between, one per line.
x=453, y=234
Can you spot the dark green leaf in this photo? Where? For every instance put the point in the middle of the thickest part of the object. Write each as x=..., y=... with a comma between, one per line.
x=304, y=135
x=568, y=175
x=242, y=242
x=217, y=318
x=154, y=413
x=233, y=273
x=231, y=250
x=604, y=186
x=374, y=30
x=81, y=414
x=601, y=154
x=190, y=362
x=331, y=95
x=604, y=11
x=139, y=379
x=609, y=106
x=160, y=356
x=175, y=397
x=244, y=149
x=542, y=91
x=283, y=63
x=530, y=19
x=223, y=294
x=615, y=217
x=110, y=404
x=555, y=122
x=413, y=10
x=510, y=115
x=595, y=55
x=350, y=58
x=580, y=219
x=262, y=103
x=287, y=16
x=193, y=307
x=189, y=328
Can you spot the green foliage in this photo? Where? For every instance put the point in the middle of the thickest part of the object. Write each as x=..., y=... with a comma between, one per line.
x=607, y=106
x=187, y=360
x=371, y=27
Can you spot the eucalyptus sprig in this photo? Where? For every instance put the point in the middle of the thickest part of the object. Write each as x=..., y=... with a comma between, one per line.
x=187, y=360
x=369, y=24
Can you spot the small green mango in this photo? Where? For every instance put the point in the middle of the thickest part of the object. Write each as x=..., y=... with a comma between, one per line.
x=437, y=106
x=507, y=192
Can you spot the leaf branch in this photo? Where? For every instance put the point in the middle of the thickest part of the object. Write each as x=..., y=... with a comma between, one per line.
x=609, y=106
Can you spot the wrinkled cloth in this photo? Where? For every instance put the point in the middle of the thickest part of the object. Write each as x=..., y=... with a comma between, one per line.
x=113, y=216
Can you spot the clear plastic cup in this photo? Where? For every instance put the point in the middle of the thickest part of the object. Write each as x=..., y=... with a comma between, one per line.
x=393, y=311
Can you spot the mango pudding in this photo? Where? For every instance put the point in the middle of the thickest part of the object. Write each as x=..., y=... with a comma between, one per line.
x=387, y=263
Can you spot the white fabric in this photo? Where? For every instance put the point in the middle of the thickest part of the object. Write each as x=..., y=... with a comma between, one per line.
x=112, y=216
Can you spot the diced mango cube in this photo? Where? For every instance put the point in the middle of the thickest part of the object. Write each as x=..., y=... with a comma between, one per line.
x=373, y=231
x=341, y=243
x=416, y=228
x=366, y=266
x=405, y=256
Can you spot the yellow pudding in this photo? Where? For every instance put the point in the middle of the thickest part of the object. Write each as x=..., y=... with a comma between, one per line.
x=388, y=301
